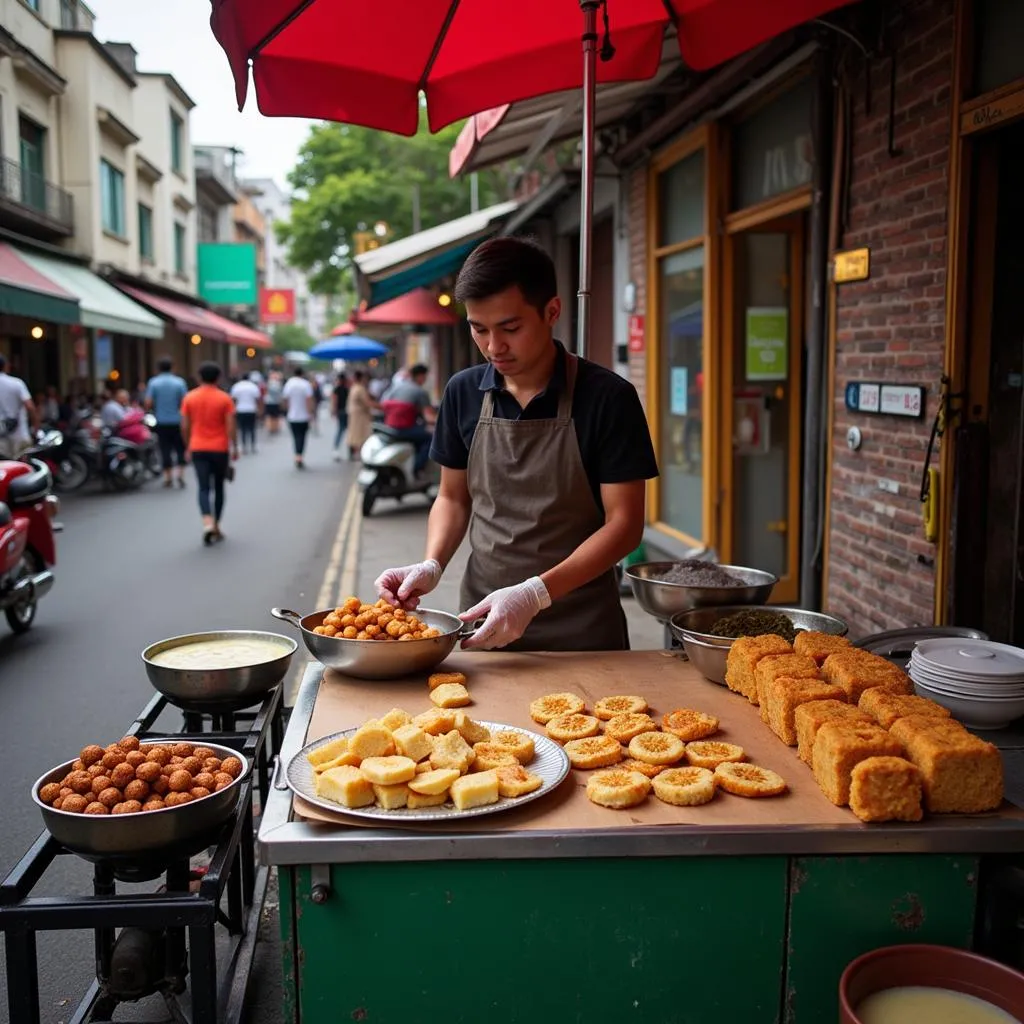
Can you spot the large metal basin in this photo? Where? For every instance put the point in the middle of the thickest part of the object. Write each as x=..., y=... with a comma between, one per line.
x=219, y=685
x=378, y=659
x=146, y=832
x=663, y=600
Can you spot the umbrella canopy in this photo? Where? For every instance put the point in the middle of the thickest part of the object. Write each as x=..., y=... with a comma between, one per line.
x=346, y=327
x=420, y=306
x=355, y=348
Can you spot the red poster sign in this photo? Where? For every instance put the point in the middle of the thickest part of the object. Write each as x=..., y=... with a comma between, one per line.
x=277, y=305
x=636, y=334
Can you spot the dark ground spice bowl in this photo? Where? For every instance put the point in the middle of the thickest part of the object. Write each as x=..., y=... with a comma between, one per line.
x=660, y=587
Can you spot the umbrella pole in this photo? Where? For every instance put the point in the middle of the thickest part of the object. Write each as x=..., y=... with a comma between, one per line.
x=589, y=9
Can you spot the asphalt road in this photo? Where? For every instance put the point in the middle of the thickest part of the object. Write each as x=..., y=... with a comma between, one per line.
x=132, y=570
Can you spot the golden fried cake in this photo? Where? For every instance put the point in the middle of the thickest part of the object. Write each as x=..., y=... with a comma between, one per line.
x=519, y=744
x=624, y=727
x=885, y=789
x=650, y=770
x=856, y=671
x=960, y=772
x=442, y=678
x=711, y=753
x=609, y=707
x=810, y=717
x=514, y=780
x=688, y=724
x=773, y=666
x=543, y=709
x=685, y=787
x=744, y=654
x=594, y=752
x=886, y=707
x=617, y=788
x=841, y=745
x=656, y=748
x=819, y=646
x=572, y=727
x=750, y=780
x=781, y=697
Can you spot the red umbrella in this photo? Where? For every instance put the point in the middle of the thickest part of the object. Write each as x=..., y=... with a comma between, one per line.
x=419, y=306
x=367, y=61
x=345, y=327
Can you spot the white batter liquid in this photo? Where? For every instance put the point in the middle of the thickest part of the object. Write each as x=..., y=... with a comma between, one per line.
x=922, y=1004
x=211, y=654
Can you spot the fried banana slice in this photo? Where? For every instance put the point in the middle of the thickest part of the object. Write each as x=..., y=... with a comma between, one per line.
x=712, y=753
x=609, y=707
x=624, y=727
x=492, y=755
x=572, y=727
x=650, y=770
x=514, y=780
x=657, y=748
x=685, y=787
x=543, y=709
x=388, y=771
x=618, y=789
x=518, y=744
x=749, y=780
x=433, y=782
x=371, y=739
x=594, y=752
x=689, y=725
x=417, y=800
x=395, y=719
x=328, y=752
x=348, y=758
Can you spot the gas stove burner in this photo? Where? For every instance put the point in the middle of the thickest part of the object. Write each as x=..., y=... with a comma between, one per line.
x=215, y=707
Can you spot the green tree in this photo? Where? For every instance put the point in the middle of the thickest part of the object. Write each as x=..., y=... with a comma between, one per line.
x=348, y=179
x=292, y=338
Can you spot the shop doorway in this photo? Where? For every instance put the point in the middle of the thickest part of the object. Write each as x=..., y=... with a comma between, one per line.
x=762, y=348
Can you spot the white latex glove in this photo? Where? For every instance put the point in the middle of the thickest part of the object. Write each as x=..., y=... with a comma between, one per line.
x=404, y=586
x=509, y=611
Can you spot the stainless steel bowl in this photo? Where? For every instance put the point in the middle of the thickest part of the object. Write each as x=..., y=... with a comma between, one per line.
x=663, y=600
x=146, y=832
x=709, y=653
x=379, y=659
x=218, y=685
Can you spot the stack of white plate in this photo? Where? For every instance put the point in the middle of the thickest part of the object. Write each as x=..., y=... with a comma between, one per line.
x=981, y=682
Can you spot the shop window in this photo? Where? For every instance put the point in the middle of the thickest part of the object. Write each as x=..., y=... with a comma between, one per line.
x=999, y=53
x=772, y=148
x=179, y=248
x=681, y=201
x=112, y=199
x=177, y=142
x=681, y=334
x=145, y=233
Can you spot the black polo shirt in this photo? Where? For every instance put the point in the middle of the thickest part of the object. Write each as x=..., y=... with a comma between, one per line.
x=611, y=427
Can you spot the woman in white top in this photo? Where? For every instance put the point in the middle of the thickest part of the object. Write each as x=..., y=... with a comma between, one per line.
x=248, y=402
x=298, y=400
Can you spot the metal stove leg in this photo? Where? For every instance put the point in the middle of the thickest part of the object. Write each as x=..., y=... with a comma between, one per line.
x=247, y=850
x=176, y=963
x=22, y=976
x=203, y=969
x=236, y=924
x=103, y=885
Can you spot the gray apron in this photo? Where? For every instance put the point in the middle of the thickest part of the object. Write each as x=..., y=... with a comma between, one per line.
x=532, y=507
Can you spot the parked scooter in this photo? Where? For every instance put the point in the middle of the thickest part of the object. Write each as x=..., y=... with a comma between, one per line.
x=387, y=469
x=28, y=549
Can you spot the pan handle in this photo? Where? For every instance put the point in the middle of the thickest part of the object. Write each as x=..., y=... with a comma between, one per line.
x=470, y=629
x=287, y=615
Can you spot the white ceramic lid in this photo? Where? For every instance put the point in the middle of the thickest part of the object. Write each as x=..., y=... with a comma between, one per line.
x=977, y=659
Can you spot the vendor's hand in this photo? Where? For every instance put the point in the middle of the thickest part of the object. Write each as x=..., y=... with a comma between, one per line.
x=404, y=586
x=509, y=611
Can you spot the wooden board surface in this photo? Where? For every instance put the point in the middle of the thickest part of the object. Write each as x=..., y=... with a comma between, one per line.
x=502, y=686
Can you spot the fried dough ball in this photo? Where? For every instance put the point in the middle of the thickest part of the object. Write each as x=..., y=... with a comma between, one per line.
x=95, y=770
x=127, y=743
x=135, y=758
x=180, y=781
x=160, y=786
x=49, y=792
x=110, y=797
x=154, y=803
x=182, y=749
x=127, y=807
x=212, y=764
x=175, y=760
x=65, y=790
x=198, y=792
x=205, y=779
x=78, y=765
x=232, y=766
x=75, y=803
x=80, y=782
x=161, y=755
x=122, y=775
x=203, y=753
x=193, y=765
x=136, y=790
x=174, y=799
x=96, y=808
x=148, y=771
x=100, y=783
x=112, y=758
x=91, y=754
x=223, y=781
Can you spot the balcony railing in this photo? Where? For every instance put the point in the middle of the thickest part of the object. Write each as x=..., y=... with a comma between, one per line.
x=34, y=193
x=75, y=16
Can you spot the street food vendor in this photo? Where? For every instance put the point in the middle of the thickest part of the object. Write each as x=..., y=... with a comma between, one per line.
x=544, y=459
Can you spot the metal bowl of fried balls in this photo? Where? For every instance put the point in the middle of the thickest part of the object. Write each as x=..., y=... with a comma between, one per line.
x=131, y=797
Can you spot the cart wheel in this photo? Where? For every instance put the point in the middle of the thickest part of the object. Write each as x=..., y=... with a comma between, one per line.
x=370, y=496
x=21, y=616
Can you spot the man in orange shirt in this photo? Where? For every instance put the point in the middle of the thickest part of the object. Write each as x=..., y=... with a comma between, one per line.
x=208, y=428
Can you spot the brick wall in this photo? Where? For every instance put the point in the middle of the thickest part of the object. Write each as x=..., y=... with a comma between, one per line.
x=636, y=183
x=891, y=328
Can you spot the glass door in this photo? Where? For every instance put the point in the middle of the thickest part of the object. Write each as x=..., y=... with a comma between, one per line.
x=764, y=332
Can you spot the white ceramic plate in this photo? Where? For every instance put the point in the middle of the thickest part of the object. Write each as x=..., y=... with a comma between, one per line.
x=550, y=762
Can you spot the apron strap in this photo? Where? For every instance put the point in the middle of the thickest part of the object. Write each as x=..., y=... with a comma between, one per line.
x=487, y=409
x=565, y=399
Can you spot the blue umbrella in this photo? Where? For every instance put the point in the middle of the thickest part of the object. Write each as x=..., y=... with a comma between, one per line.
x=355, y=348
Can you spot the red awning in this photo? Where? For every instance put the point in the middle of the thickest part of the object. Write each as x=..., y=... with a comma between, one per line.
x=238, y=334
x=24, y=291
x=187, y=318
x=420, y=306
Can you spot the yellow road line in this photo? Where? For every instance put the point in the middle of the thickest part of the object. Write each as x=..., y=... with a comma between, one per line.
x=350, y=566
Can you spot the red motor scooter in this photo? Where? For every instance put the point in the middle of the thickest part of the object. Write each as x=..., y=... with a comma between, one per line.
x=28, y=548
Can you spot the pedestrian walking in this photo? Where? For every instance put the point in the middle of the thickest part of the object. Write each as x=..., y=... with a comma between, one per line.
x=272, y=402
x=248, y=402
x=339, y=406
x=208, y=426
x=360, y=408
x=318, y=397
x=300, y=406
x=164, y=394
x=17, y=412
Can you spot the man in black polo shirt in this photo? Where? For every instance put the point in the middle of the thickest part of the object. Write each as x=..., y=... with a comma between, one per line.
x=544, y=458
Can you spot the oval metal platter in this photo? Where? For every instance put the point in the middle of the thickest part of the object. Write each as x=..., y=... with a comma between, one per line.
x=550, y=762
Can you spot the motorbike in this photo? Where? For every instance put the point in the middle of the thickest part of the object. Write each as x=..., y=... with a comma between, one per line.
x=387, y=469
x=139, y=428
x=28, y=548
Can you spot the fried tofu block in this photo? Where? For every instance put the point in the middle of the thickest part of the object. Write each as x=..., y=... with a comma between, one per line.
x=471, y=732
x=413, y=742
x=450, y=695
x=961, y=773
x=435, y=721
x=372, y=740
x=744, y=654
x=452, y=751
x=810, y=717
x=819, y=646
x=328, y=752
x=433, y=782
x=783, y=695
x=388, y=771
x=796, y=666
x=391, y=797
x=841, y=745
x=886, y=707
x=396, y=718
x=440, y=678
x=886, y=789
x=475, y=790
x=417, y=800
x=346, y=786
x=856, y=671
